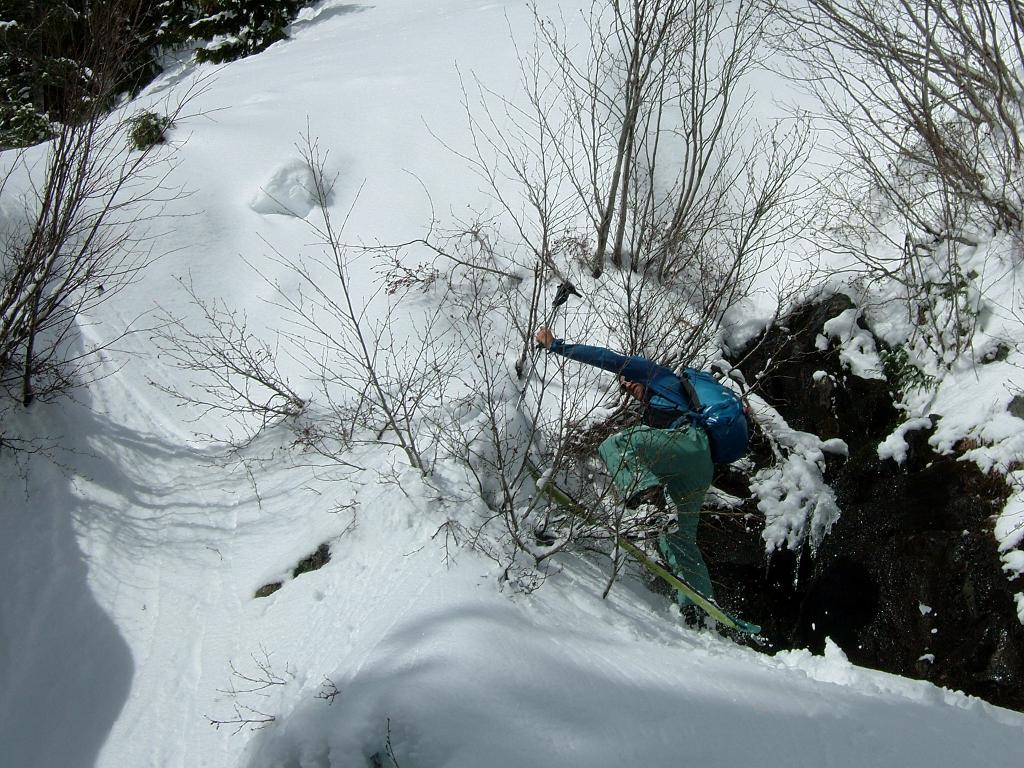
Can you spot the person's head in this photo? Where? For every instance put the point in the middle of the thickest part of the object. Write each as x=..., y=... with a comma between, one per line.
x=635, y=389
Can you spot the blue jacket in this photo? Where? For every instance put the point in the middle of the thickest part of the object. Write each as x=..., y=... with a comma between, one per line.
x=664, y=390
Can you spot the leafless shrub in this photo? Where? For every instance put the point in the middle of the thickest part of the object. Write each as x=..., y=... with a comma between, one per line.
x=81, y=221
x=485, y=419
x=629, y=161
x=328, y=691
x=377, y=760
x=370, y=376
x=507, y=416
x=237, y=371
x=925, y=99
x=86, y=231
x=645, y=128
x=671, y=306
x=246, y=687
x=371, y=380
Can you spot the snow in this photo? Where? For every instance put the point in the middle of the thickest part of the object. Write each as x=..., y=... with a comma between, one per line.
x=895, y=446
x=290, y=191
x=797, y=502
x=1013, y=562
x=745, y=321
x=1010, y=525
x=131, y=552
x=162, y=551
x=856, y=346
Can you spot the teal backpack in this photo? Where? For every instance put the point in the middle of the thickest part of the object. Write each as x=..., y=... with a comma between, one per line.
x=720, y=411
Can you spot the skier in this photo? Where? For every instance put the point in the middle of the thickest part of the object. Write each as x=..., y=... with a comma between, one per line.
x=665, y=461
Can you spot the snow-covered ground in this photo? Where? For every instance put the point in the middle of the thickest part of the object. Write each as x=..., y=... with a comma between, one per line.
x=128, y=602
x=129, y=562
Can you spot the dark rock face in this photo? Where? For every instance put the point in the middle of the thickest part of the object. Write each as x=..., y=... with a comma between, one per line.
x=908, y=580
x=315, y=561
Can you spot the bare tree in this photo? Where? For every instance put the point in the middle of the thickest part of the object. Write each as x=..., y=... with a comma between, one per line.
x=936, y=85
x=925, y=99
x=634, y=146
x=370, y=382
x=87, y=226
x=245, y=688
x=238, y=372
x=627, y=162
x=648, y=122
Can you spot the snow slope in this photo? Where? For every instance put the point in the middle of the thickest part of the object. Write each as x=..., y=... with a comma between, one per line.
x=129, y=563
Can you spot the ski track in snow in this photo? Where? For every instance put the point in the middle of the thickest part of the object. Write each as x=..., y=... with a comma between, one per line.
x=175, y=545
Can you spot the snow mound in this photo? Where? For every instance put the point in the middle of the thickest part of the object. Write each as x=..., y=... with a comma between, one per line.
x=290, y=191
x=524, y=682
x=895, y=446
x=857, y=347
x=792, y=494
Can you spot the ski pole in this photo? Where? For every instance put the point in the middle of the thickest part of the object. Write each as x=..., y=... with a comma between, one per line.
x=565, y=290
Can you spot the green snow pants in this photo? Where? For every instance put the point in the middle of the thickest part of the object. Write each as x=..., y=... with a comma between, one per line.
x=678, y=459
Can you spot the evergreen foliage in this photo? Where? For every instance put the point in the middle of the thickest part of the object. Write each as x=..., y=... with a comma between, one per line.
x=48, y=70
x=146, y=129
x=237, y=28
x=32, y=68
x=45, y=46
x=902, y=374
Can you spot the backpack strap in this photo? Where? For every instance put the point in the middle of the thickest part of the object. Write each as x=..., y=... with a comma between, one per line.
x=692, y=414
x=690, y=392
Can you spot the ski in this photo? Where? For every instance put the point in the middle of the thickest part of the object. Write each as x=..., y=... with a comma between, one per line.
x=563, y=499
